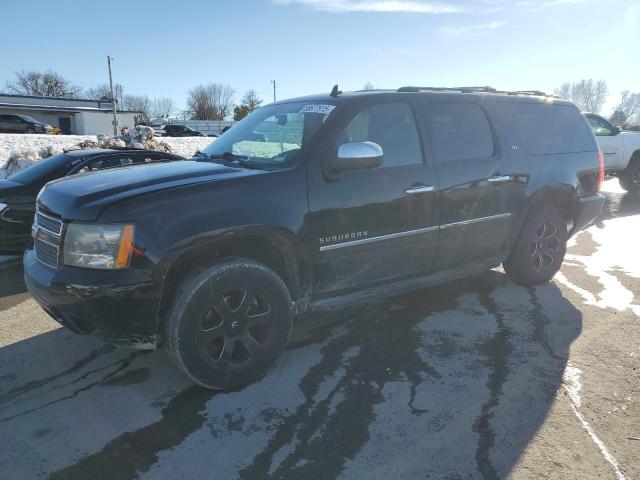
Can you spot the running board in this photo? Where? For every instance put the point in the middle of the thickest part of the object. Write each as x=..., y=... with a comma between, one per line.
x=329, y=303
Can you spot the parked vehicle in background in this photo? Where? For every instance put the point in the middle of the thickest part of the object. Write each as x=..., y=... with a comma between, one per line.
x=18, y=192
x=181, y=131
x=313, y=204
x=621, y=151
x=22, y=124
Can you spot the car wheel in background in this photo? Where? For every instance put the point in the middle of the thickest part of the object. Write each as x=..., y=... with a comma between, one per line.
x=31, y=130
x=539, y=251
x=229, y=323
x=630, y=178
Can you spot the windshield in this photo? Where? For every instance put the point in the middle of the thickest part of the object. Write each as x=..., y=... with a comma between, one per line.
x=27, y=118
x=271, y=136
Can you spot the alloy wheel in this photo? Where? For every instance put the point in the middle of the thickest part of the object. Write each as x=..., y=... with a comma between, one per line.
x=545, y=246
x=235, y=328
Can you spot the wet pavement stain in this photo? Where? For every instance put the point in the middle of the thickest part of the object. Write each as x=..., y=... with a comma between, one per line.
x=386, y=343
x=130, y=377
x=132, y=453
x=497, y=350
x=35, y=384
x=121, y=365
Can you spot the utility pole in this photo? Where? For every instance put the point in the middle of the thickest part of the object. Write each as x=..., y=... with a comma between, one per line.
x=113, y=100
x=274, y=90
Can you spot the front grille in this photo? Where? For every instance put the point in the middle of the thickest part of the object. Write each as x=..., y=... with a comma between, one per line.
x=47, y=253
x=47, y=240
x=50, y=224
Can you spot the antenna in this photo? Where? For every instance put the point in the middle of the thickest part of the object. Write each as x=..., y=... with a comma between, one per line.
x=334, y=91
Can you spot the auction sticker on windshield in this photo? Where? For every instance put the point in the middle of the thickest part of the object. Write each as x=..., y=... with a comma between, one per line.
x=324, y=109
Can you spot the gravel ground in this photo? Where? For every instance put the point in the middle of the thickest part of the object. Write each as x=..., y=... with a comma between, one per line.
x=478, y=378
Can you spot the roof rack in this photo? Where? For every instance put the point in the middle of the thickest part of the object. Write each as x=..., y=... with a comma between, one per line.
x=485, y=89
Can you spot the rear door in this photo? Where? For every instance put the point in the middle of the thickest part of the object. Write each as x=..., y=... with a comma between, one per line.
x=374, y=225
x=477, y=188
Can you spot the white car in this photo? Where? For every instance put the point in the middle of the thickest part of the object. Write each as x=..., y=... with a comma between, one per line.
x=621, y=151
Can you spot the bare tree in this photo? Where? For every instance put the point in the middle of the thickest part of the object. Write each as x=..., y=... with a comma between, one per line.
x=49, y=83
x=588, y=95
x=211, y=102
x=138, y=103
x=103, y=92
x=161, y=107
x=627, y=109
x=249, y=102
x=368, y=86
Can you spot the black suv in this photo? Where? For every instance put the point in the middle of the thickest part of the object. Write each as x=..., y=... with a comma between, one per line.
x=313, y=204
x=23, y=124
x=181, y=131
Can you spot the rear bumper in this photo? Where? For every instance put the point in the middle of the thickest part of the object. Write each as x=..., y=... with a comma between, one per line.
x=589, y=208
x=119, y=307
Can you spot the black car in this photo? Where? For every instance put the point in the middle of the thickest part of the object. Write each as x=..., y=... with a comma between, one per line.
x=18, y=192
x=313, y=204
x=22, y=124
x=181, y=131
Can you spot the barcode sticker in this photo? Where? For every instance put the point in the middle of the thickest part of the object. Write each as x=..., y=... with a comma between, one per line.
x=324, y=109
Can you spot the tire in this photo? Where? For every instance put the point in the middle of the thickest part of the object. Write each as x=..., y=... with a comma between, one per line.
x=539, y=251
x=229, y=323
x=630, y=178
x=30, y=130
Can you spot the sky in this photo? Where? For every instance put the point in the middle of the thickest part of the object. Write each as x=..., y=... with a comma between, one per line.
x=307, y=46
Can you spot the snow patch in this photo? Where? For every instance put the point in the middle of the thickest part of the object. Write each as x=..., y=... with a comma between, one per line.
x=616, y=251
x=24, y=150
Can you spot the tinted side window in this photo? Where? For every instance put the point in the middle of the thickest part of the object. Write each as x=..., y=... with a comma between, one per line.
x=545, y=129
x=460, y=131
x=104, y=163
x=390, y=125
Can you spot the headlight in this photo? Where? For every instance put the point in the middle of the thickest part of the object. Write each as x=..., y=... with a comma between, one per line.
x=103, y=247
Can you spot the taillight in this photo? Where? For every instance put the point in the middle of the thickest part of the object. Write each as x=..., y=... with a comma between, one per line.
x=601, y=172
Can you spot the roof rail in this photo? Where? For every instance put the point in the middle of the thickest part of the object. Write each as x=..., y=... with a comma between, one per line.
x=485, y=89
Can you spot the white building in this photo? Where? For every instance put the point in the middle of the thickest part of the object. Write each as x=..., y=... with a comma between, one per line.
x=70, y=115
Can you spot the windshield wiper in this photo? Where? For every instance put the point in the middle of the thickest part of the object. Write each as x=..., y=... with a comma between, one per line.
x=232, y=158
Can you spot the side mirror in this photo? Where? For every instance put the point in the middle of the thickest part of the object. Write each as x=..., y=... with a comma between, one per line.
x=616, y=130
x=357, y=156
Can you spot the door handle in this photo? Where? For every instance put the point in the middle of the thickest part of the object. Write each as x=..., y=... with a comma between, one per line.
x=419, y=189
x=499, y=179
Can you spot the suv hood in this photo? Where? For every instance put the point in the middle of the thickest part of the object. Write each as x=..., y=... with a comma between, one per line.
x=84, y=196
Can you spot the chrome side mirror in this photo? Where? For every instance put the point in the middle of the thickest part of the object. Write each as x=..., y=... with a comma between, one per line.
x=357, y=156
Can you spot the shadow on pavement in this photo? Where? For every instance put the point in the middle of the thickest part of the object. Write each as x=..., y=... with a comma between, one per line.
x=448, y=382
x=12, y=287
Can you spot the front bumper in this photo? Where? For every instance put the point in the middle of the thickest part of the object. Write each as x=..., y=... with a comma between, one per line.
x=119, y=307
x=588, y=209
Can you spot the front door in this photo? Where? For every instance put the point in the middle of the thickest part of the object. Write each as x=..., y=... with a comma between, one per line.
x=609, y=142
x=373, y=225
x=64, y=123
x=477, y=191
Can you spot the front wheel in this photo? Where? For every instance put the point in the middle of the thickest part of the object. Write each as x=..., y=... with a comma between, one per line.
x=31, y=130
x=630, y=178
x=539, y=251
x=229, y=323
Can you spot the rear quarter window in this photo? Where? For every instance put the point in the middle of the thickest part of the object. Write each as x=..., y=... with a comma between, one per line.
x=546, y=129
x=461, y=132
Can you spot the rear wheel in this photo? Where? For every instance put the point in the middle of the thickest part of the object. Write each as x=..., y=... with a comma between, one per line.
x=630, y=178
x=229, y=323
x=539, y=251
